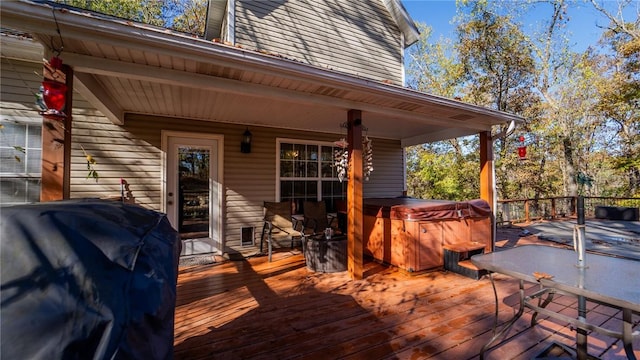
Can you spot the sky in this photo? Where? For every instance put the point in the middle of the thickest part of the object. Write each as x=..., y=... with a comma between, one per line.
x=583, y=19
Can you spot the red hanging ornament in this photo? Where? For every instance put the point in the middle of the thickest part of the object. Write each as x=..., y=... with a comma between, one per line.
x=522, y=152
x=522, y=149
x=54, y=93
x=55, y=62
x=55, y=97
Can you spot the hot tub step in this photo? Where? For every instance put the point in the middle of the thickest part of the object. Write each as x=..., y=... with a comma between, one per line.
x=469, y=270
x=456, y=259
x=469, y=265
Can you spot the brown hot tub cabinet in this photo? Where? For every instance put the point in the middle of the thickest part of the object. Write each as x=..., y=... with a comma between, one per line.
x=411, y=233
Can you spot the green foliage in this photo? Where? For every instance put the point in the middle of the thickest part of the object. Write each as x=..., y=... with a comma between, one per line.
x=434, y=67
x=192, y=16
x=581, y=109
x=181, y=15
x=439, y=171
x=496, y=59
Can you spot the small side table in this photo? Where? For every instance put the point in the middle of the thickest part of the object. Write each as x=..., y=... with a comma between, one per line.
x=323, y=255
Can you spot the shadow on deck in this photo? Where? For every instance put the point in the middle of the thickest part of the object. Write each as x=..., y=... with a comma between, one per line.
x=253, y=309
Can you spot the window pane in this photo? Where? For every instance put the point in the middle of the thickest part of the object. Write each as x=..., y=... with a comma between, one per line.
x=327, y=154
x=299, y=189
x=334, y=188
x=34, y=137
x=339, y=188
x=312, y=190
x=299, y=151
x=299, y=170
x=312, y=169
x=12, y=190
x=327, y=170
x=286, y=168
x=19, y=190
x=312, y=152
x=9, y=163
x=13, y=135
x=286, y=190
x=33, y=190
x=286, y=151
x=34, y=161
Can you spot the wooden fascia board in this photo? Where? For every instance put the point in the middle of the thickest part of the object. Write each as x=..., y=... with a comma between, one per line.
x=34, y=17
x=98, y=97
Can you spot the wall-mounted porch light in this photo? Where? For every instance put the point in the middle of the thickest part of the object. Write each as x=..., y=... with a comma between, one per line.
x=245, y=144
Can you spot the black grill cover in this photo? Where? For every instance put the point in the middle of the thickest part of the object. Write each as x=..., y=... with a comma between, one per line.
x=87, y=279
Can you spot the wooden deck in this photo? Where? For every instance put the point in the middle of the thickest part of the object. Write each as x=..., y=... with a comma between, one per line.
x=252, y=309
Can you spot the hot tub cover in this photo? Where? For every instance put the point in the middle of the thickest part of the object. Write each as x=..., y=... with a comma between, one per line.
x=422, y=210
x=87, y=279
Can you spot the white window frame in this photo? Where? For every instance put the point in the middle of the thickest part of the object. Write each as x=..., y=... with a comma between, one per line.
x=25, y=158
x=318, y=179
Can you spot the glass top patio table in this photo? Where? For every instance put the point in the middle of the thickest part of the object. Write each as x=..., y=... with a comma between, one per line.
x=608, y=279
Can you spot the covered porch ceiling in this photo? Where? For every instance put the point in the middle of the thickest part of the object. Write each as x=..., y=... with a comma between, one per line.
x=122, y=67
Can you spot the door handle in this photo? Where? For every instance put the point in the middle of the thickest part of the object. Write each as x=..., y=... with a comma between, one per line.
x=169, y=202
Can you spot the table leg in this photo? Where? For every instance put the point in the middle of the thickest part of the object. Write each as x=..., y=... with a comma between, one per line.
x=581, y=334
x=542, y=304
x=506, y=326
x=627, y=331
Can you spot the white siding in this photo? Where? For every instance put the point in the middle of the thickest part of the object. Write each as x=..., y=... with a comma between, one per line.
x=20, y=81
x=356, y=37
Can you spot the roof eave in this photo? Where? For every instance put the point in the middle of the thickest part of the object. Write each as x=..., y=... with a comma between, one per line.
x=404, y=21
x=33, y=17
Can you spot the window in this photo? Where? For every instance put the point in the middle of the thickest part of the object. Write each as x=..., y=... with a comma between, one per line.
x=306, y=172
x=20, y=165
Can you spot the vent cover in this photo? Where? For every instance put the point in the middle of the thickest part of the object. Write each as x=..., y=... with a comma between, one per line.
x=462, y=117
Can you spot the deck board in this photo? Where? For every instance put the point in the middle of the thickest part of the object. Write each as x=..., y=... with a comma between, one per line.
x=253, y=309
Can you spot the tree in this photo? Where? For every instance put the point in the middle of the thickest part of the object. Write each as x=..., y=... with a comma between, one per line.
x=145, y=11
x=191, y=16
x=619, y=90
x=499, y=71
x=181, y=15
x=434, y=67
x=442, y=170
x=436, y=171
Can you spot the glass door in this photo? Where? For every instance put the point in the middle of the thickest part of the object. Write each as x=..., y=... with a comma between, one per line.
x=191, y=197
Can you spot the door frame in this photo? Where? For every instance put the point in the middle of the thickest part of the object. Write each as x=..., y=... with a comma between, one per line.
x=218, y=187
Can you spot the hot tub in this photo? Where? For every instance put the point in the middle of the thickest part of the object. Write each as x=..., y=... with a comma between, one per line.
x=410, y=233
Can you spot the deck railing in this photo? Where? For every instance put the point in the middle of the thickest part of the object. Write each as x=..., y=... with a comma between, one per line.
x=525, y=210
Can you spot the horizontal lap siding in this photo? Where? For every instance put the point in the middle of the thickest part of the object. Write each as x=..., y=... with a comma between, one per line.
x=133, y=152
x=357, y=37
x=387, y=178
x=118, y=154
x=249, y=179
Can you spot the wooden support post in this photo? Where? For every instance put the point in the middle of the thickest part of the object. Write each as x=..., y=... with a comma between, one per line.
x=56, y=142
x=355, y=228
x=487, y=179
x=486, y=169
